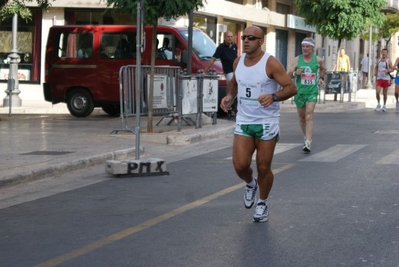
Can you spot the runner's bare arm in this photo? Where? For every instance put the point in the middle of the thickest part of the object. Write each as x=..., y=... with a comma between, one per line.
x=395, y=66
x=390, y=66
x=276, y=71
x=293, y=68
x=231, y=91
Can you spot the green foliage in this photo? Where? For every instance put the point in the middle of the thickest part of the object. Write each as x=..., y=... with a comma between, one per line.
x=374, y=36
x=341, y=19
x=154, y=9
x=10, y=8
x=389, y=27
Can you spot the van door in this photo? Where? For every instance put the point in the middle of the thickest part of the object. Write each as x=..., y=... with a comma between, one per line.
x=117, y=49
x=168, y=50
x=72, y=63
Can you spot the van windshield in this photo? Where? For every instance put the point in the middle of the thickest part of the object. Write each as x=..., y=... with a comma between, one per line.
x=203, y=46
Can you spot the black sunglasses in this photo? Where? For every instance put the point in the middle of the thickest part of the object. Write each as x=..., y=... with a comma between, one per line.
x=250, y=37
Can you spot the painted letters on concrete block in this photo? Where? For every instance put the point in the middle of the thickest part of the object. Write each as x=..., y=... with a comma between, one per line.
x=151, y=166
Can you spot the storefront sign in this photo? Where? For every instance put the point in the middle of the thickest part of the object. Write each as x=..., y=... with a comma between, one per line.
x=298, y=23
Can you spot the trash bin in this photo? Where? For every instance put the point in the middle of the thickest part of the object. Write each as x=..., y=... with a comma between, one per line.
x=353, y=76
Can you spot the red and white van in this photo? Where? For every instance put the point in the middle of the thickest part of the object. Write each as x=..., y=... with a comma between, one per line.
x=82, y=62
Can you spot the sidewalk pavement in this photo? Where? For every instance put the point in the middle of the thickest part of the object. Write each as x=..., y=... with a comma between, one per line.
x=40, y=141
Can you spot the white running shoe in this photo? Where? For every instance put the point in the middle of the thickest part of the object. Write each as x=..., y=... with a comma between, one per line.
x=378, y=108
x=307, y=146
x=384, y=108
x=249, y=195
x=261, y=213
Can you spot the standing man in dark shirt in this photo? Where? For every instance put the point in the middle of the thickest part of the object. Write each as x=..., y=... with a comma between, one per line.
x=227, y=52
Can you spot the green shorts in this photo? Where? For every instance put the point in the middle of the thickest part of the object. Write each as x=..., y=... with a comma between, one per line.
x=265, y=131
x=301, y=99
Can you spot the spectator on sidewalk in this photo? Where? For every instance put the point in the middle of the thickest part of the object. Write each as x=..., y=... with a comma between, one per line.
x=256, y=80
x=343, y=63
x=227, y=52
x=308, y=71
x=383, y=79
x=364, y=68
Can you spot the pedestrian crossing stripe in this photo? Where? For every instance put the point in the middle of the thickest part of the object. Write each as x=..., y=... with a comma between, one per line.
x=334, y=153
x=280, y=148
x=331, y=154
x=392, y=158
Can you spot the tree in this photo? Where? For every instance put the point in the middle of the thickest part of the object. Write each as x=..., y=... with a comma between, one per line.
x=389, y=28
x=341, y=19
x=153, y=10
x=10, y=8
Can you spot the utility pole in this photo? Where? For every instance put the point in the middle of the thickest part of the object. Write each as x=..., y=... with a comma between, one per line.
x=369, y=86
x=12, y=91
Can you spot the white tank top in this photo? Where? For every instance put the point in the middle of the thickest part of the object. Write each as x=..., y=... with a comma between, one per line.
x=253, y=82
x=381, y=70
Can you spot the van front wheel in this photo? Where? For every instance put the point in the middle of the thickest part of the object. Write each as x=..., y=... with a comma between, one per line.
x=80, y=103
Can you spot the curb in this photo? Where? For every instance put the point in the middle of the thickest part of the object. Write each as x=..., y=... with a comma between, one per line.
x=188, y=137
x=60, y=168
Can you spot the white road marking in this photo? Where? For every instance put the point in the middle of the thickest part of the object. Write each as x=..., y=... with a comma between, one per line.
x=392, y=158
x=334, y=153
x=280, y=148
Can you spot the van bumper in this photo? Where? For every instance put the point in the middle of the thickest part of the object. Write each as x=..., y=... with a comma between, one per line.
x=47, y=92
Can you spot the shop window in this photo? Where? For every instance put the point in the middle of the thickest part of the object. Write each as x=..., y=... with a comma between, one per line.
x=283, y=9
x=28, y=47
x=96, y=17
x=298, y=42
x=206, y=24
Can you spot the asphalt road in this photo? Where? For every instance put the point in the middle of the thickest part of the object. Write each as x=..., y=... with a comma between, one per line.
x=338, y=206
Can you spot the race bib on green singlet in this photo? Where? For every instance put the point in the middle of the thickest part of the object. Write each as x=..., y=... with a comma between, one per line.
x=307, y=77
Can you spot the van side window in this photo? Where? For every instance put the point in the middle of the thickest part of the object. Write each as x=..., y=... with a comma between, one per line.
x=75, y=45
x=118, y=45
x=164, y=46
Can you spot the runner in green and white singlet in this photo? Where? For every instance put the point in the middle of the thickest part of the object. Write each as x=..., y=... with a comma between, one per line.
x=308, y=71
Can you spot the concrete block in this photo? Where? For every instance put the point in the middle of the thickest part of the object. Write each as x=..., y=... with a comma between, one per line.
x=147, y=167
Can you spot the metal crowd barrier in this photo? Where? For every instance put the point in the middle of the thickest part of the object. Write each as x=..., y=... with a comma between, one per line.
x=340, y=83
x=198, y=94
x=175, y=95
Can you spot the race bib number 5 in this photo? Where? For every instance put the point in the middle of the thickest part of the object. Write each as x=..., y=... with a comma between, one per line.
x=249, y=93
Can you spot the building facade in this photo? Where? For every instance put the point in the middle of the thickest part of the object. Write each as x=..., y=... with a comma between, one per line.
x=283, y=33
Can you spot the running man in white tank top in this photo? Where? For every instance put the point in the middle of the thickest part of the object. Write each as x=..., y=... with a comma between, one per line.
x=255, y=84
